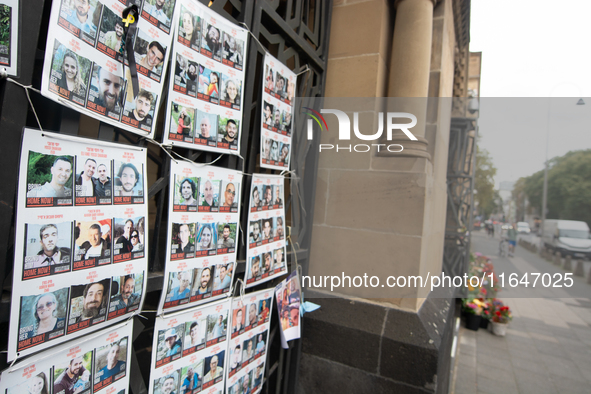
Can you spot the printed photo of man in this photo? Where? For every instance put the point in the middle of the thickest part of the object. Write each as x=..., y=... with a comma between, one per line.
x=61, y=171
x=75, y=378
x=127, y=296
x=128, y=177
x=50, y=253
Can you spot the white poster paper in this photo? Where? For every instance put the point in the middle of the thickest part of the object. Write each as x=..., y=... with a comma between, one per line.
x=265, y=258
x=203, y=227
x=288, y=295
x=249, y=341
x=97, y=363
x=9, y=11
x=205, y=97
x=81, y=239
x=189, y=352
x=83, y=66
x=279, y=86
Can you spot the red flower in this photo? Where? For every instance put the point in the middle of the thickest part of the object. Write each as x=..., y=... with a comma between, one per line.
x=498, y=313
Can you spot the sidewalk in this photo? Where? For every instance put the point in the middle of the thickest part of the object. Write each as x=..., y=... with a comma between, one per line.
x=547, y=348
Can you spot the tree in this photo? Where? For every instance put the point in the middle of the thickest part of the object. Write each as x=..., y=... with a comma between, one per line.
x=569, y=187
x=484, y=183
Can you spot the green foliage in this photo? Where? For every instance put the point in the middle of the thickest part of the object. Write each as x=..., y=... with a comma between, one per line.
x=5, y=25
x=39, y=169
x=484, y=183
x=569, y=187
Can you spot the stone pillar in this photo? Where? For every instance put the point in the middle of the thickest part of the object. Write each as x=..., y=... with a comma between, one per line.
x=411, y=49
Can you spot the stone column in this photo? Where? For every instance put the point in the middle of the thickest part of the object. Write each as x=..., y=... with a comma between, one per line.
x=411, y=49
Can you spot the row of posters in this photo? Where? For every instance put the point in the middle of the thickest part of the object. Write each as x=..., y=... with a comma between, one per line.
x=279, y=86
x=197, y=349
x=265, y=257
x=86, y=56
x=94, y=364
x=77, y=267
x=9, y=41
x=205, y=93
x=204, y=214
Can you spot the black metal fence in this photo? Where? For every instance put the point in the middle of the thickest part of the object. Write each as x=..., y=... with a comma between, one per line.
x=294, y=31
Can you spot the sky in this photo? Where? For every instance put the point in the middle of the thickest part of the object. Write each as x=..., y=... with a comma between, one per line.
x=536, y=64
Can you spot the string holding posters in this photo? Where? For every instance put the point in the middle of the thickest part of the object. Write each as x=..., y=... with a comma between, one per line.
x=279, y=86
x=80, y=258
x=288, y=294
x=265, y=257
x=89, y=46
x=9, y=40
x=203, y=226
x=94, y=364
x=249, y=341
x=189, y=350
x=205, y=97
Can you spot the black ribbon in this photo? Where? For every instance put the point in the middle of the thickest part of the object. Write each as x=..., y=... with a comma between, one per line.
x=129, y=14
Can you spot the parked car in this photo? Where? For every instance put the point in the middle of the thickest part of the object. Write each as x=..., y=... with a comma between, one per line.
x=523, y=228
x=569, y=237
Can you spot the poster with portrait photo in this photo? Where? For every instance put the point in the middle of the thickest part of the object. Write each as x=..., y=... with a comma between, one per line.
x=189, y=28
x=139, y=112
x=49, y=179
x=248, y=345
x=228, y=133
x=9, y=33
x=42, y=318
x=227, y=233
x=194, y=236
x=204, y=337
x=182, y=241
x=110, y=35
x=179, y=287
x=92, y=187
x=88, y=304
x=276, y=119
x=107, y=90
x=231, y=92
x=126, y=294
x=203, y=284
x=230, y=197
x=47, y=249
x=72, y=245
x=186, y=193
x=159, y=13
x=206, y=240
x=128, y=241
x=110, y=363
x=149, y=55
x=206, y=128
x=72, y=366
x=288, y=294
x=170, y=344
x=210, y=84
x=80, y=18
x=70, y=74
x=91, y=78
x=92, y=245
x=128, y=182
x=182, y=121
x=211, y=38
x=266, y=229
x=233, y=50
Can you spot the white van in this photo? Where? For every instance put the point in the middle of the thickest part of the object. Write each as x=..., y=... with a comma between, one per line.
x=569, y=237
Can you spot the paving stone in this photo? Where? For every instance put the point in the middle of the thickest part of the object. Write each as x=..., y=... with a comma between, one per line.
x=534, y=366
x=529, y=382
x=565, y=385
x=563, y=368
x=492, y=386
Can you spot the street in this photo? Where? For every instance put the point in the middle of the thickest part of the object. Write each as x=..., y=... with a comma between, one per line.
x=547, y=348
